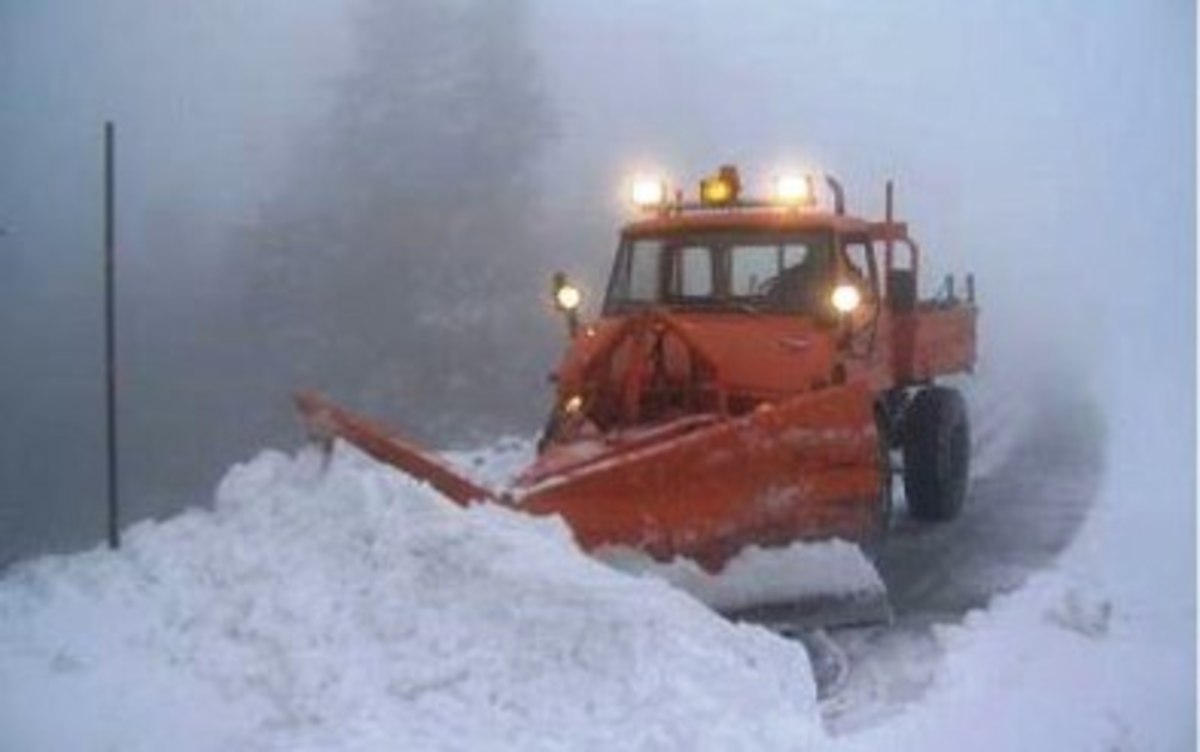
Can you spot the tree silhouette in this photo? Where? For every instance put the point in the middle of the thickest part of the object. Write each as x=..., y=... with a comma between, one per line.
x=398, y=270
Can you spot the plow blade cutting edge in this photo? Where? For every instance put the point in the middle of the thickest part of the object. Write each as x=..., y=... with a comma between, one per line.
x=742, y=512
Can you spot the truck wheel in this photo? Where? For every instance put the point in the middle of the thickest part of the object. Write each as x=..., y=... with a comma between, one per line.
x=937, y=454
x=877, y=536
x=549, y=431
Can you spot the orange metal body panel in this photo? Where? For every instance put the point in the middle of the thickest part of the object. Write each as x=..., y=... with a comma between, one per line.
x=804, y=468
x=763, y=356
x=766, y=220
x=905, y=349
x=934, y=341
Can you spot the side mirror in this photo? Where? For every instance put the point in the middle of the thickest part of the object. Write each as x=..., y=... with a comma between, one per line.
x=902, y=290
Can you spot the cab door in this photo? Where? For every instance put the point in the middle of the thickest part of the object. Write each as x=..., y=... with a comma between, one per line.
x=868, y=344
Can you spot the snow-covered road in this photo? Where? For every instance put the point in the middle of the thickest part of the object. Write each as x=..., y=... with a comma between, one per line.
x=1018, y=517
x=1026, y=504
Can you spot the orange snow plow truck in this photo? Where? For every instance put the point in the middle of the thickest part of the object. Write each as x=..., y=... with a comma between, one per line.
x=759, y=371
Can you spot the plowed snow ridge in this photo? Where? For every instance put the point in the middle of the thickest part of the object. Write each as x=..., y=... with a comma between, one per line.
x=348, y=607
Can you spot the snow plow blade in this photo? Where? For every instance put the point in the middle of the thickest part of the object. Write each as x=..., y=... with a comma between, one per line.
x=326, y=421
x=771, y=506
x=705, y=487
x=711, y=496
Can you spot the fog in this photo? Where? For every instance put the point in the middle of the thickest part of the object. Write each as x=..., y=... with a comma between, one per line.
x=369, y=197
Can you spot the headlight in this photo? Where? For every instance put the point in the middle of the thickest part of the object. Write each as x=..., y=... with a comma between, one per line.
x=568, y=297
x=573, y=405
x=846, y=298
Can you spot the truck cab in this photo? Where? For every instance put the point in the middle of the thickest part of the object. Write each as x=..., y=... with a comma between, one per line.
x=722, y=306
x=745, y=262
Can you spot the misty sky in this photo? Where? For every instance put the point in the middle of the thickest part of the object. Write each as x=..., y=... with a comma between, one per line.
x=1047, y=146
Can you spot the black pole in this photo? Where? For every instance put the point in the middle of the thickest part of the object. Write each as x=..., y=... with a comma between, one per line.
x=110, y=360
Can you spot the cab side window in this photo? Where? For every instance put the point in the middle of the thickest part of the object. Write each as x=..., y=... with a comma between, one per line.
x=859, y=259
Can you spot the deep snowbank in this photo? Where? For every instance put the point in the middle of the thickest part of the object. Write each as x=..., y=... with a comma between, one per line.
x=348, y=607
x=1098, y=651
x=1058, y=665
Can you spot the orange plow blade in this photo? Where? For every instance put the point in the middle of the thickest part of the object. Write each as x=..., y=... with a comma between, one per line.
x=804, y=469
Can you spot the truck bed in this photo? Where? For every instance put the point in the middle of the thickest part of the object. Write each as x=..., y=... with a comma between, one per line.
x=933, y=340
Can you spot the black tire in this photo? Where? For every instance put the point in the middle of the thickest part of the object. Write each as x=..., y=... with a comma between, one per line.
x=937, y=454
x=549, y=430
x=872, y=544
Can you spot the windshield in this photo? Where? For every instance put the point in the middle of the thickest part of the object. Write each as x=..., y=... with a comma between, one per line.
x=784, y=274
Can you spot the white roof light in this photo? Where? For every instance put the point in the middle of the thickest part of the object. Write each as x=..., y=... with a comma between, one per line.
x=649, y=191
x=795, y=190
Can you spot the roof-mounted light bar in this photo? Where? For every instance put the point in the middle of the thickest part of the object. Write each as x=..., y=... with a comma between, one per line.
x=723, y=190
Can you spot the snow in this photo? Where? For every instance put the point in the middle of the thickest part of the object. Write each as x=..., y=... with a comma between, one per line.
x=344, y=606
x=999, y=413
x=336, y=605
x=758, y=576
x=1045, y=668
x=1098, y=651
x=1058, y=665
x=495, y=465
